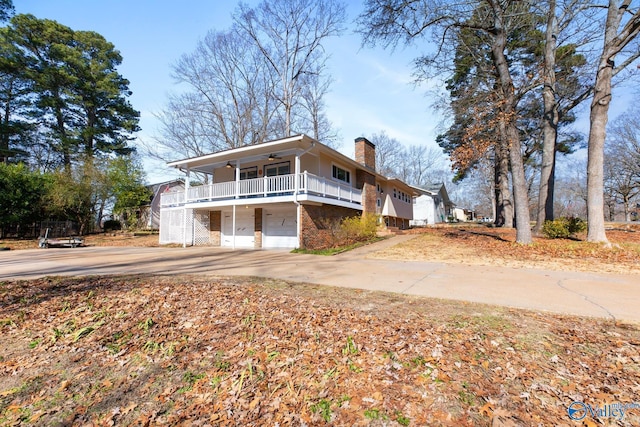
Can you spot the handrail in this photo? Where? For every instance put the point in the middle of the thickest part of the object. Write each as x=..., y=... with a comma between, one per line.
x=265, y=187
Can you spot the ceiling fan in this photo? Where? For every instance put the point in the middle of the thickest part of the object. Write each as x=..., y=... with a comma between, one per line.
x=273, y=157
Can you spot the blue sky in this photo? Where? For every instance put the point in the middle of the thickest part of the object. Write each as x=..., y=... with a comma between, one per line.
x=372, y=89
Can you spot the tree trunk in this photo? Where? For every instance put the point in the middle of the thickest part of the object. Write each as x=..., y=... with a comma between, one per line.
x=520, y=194
x=549, y=123
x=613, y=43
x=599, y=116
x=627, y=212
x=508, y=112
x=5, y=133
x=595, y=153
x=504, y=203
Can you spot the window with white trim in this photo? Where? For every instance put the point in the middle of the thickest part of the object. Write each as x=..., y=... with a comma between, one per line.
x=276, y=169
x=249, y=173
x=341, y=174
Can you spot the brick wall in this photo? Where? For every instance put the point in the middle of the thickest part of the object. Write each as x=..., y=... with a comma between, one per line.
x=257, y=233
x=317, y=223
x=215, y=228
x=366, y=182
x=365, y=153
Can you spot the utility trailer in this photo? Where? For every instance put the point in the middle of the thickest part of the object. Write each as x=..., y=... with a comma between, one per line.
x=61, y=242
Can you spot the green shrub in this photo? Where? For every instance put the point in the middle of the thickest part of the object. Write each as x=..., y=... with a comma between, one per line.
x=564, y=227
x=576, y=225
x=359, y=228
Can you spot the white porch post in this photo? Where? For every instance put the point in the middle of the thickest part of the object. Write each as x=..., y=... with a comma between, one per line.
x=233, y=216
x=299, y=225
x=296, y=185
x=184, y=209
x=233, y=224
x=237, y=178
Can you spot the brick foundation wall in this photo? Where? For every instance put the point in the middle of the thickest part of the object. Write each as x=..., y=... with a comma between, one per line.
x=215, y=228
x=257, y=233
x=317, y=222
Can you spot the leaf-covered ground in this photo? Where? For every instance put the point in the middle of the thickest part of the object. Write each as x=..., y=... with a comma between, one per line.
x=470, y=244
x=249, y=352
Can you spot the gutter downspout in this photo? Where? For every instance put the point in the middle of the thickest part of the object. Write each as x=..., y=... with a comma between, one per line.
x=297, y=189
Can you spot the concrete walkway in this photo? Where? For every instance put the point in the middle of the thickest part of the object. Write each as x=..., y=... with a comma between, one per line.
x=589, y=294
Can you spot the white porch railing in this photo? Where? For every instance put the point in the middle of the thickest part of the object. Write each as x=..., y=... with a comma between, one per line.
x=314, y=184
x=265, y=187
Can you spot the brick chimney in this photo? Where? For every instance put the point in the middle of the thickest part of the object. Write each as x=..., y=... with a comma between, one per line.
x=366, y=153
x=365, y=179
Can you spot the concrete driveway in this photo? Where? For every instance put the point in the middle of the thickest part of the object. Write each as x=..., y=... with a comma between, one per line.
x=610, y=296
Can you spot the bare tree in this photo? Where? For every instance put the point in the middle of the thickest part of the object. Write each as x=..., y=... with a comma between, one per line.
x=571, y=189
x=621, y=27
x=421, y=165
x=289, y=34
x=257, y=81
x=388, y=153
x=622, y=162
x=226, y=103
x=313, y=116
x=417, y=165
x=551, y=119
x=477, y=193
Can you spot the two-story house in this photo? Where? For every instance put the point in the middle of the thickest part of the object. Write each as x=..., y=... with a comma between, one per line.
x=279, y=194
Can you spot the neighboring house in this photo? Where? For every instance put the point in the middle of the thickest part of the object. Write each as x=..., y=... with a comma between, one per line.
x=148, y=216
x=151, y=215
x=432, y=206
x=459, y=215
x=463, y=215
x=470, y=215
x=280, y=194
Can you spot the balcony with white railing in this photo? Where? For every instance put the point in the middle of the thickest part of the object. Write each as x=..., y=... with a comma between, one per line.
x=281, y=185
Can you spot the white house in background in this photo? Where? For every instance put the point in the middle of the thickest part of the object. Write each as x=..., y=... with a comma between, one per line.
x=285, y=193
x=459, y=215
x=432, y=206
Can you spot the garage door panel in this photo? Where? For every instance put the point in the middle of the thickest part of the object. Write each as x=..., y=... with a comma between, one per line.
x=280, y=228
x=245, y=226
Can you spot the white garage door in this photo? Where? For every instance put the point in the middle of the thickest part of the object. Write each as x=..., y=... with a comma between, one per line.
x=280, y=228
x=245, y=226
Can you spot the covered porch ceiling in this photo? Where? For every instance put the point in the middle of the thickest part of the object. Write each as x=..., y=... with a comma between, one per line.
x=261, y=152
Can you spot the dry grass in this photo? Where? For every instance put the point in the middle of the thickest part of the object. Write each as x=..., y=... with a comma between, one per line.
x=473, y=245
x=101, y=239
